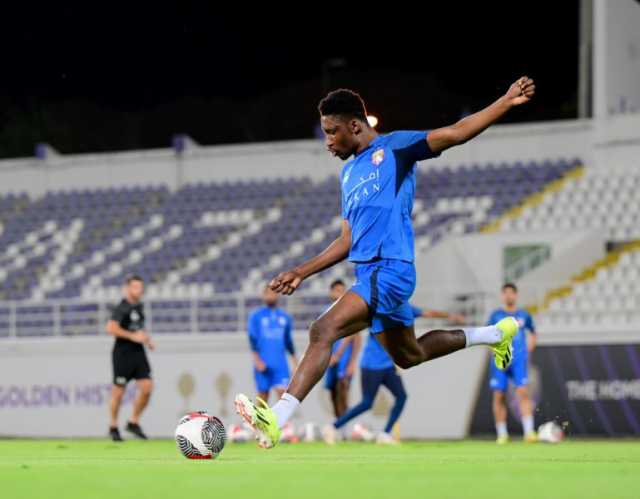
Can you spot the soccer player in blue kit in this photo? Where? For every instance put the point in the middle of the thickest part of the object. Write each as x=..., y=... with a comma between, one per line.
x=378, y=187
x=377, y=369
x=517, y=372
x=270, y=338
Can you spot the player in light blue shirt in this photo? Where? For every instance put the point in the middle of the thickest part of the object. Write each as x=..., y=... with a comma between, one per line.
x=377, y=369
x=269, y=329
x=524, y=342
x=378, y=187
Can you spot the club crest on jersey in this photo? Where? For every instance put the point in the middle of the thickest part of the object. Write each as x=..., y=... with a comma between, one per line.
x=377, y=157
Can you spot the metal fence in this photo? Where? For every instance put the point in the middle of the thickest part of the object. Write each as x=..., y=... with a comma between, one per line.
x=224, y=313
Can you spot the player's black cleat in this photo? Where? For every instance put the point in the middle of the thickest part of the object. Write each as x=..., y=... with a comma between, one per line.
x=136, y=430
x=114, y=433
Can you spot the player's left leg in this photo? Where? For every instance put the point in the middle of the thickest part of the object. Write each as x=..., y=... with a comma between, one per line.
x=393, y=382
x=145, y=388
x=347, y=316
x=342, y=395
x=142, y=375
x=520, y=379
x=370, y=380
x=117, y=393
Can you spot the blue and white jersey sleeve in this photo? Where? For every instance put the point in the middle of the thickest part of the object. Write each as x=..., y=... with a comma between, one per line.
x=412, y=145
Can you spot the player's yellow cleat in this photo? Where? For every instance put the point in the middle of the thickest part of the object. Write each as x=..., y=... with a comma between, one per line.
x=503, y=350
x=261, y=418
x=503, y=439
x=530, y=438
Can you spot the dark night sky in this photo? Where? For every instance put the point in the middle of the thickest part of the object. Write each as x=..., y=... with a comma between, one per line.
x=114, y=77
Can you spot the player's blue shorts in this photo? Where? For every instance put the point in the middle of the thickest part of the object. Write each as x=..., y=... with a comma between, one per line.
x=386, y=285
x=272, y=377
x=517, y=372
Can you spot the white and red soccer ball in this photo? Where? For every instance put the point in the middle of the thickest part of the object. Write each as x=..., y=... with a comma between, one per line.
x=200, y=436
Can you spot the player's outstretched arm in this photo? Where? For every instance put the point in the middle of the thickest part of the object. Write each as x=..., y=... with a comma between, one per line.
x=287, y=282
x=467, y=128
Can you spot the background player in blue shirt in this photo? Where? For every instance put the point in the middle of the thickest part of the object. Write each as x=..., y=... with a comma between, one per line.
x=378, y=187
x=523, y=343
x=344, y=358
x=377, y=369
x=270, y=338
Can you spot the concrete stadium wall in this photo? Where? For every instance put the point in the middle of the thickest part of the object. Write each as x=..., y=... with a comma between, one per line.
x=474, y=263
x=60, y=388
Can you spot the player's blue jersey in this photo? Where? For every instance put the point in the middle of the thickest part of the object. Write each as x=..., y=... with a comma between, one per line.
x=270, y=335
x=378, y=187
x=374, y=356
x=526, y=324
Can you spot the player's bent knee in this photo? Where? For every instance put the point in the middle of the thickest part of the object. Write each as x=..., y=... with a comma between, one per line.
x=321, y=332
x=406, y=362
x=367, y=404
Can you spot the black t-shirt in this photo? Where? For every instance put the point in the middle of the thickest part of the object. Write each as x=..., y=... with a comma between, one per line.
x=130, y=318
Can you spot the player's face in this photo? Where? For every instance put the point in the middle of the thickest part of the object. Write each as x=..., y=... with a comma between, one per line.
x=509, y=297
x=135, y=290
x=269, y=297
x=340, y=135
x=336, y=292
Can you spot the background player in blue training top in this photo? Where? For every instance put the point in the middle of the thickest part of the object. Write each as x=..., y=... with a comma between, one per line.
x=344, y=358
x=517, y=372
x=378, y=188
x=270, y=337
x=377, y=369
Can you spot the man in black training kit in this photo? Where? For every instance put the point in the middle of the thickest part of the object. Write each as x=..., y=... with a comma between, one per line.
x=129, y=358
x=378, y=188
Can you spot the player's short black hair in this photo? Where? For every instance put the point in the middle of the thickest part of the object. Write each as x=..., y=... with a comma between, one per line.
x=337, y=282
x=510, y=285
x=133, y=277
x=343, y=102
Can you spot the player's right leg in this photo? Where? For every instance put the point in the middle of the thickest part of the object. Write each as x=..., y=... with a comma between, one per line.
x=122, y=373
x=348, y=315
x=407, y=351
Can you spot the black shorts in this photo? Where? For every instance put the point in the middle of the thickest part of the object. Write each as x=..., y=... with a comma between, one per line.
x=128, y=365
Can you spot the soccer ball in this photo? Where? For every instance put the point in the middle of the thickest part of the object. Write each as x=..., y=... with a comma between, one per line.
x=200, y=436
x=550, y=432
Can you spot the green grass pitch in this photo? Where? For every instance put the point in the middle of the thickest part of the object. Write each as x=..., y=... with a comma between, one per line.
x=90, y=469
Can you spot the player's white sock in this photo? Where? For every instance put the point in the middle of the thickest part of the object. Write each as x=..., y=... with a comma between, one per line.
x=284, y=408
x=527, y=424
x=487, y=335
x=501, y=429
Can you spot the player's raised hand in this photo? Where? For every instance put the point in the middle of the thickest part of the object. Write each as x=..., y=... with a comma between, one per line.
x=521, y=91
x=286, y=283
